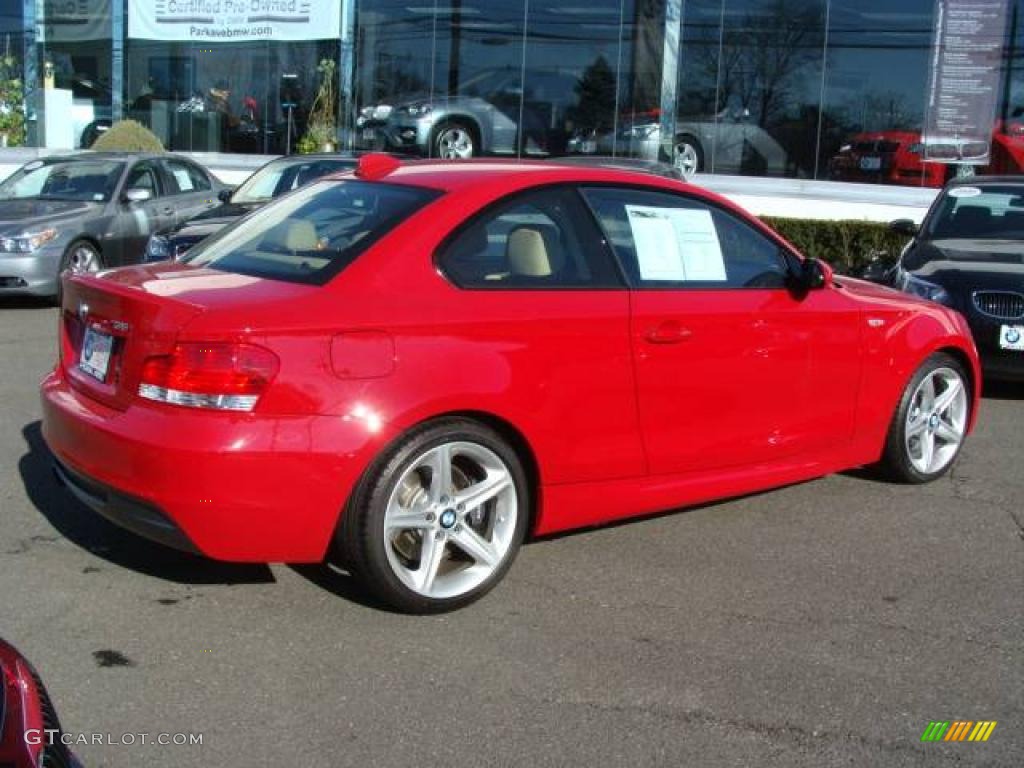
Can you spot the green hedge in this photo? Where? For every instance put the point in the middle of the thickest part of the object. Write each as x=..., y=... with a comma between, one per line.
x=846, y=245
x=128, y=136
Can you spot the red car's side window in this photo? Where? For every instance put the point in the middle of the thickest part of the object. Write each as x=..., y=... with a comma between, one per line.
x=542, y=239
x=671, y=241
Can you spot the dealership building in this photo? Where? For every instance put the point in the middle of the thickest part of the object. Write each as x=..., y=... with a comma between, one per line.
x=864, y=103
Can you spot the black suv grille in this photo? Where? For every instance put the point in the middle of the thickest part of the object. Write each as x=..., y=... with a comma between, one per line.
x=1002, y=305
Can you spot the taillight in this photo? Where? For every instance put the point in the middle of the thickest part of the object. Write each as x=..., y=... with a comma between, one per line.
x=222, y=376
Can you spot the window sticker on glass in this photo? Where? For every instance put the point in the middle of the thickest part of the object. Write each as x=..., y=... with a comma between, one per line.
x=964, y=192
x=184, y=180
x=677, y=244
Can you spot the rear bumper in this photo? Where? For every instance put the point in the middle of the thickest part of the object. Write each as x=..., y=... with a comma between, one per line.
x=237, y=487
x=30, y=274
x=134, y=515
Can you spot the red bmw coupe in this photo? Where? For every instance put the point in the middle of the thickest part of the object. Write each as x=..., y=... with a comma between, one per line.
x=415, y=366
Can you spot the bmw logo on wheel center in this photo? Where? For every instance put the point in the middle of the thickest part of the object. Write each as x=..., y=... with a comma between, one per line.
x=448, y=518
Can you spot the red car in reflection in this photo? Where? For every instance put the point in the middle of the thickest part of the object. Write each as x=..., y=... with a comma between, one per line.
x=412, y=368
x=30, y=733
x=896, y=157
x=887, y=157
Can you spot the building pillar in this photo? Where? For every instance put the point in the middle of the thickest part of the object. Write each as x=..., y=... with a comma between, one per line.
x=30, y=75
x=117, y=34
x=347, y=74
x=670, y=75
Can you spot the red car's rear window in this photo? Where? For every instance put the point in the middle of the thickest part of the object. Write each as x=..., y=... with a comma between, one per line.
x=313, y=233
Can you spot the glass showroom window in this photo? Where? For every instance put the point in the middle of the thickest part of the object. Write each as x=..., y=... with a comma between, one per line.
x=252, y=97
x=74, y=63
x=1008, y=131
x=503, y=78
x=582, y=91
x=873, y=111
x=750, y=85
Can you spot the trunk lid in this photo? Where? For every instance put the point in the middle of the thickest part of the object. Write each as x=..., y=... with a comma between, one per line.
x=133, y=313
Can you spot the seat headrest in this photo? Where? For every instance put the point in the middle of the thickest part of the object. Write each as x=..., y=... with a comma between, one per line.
x=294, y=235
x=533, y=252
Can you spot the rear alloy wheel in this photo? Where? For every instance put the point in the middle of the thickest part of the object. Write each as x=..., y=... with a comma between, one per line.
x=441, y=521
x=454, y=141
x=930, y=424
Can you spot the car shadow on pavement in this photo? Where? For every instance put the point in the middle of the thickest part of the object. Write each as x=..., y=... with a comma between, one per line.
x=26, y=302
x=80, y=525
x=334, y=579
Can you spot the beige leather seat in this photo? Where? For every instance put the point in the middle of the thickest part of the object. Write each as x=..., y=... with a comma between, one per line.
x=533, y=252
x=294, y=235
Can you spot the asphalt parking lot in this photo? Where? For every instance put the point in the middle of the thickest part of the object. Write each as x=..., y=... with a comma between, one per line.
x=817, y=625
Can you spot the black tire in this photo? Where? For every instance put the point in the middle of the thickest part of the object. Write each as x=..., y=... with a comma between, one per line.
x=440, y=130
x=71, y=253
x=896, y=461
x=362, y=544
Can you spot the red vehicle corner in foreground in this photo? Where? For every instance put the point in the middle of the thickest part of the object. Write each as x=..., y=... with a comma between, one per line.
x=29, y=729
x=414, y=367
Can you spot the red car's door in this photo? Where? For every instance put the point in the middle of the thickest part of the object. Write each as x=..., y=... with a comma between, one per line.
x=732, y=368
x=540, y=286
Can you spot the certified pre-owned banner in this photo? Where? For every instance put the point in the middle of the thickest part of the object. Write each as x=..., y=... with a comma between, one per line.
x=967, y=60
x=210, y=21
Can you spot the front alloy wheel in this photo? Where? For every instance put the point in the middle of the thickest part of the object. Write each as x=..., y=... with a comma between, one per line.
x=686, y=158
x=82, y=257
x=454, y=142
x=929, y=426
x=936, y=421
x=443, y=519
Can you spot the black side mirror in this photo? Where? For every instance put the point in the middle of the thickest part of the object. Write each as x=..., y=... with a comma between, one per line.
x=225, y=194
x=904, y=227
x=812, y=274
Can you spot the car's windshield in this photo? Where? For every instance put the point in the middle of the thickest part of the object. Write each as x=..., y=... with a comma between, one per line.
x=312, y=234
x=91, y=180
x=276, y=178
x=979, y=213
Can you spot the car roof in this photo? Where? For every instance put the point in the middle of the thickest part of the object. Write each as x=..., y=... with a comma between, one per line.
x=344, y=157
x=500, y=176
x=89, y=154
x=451, y=176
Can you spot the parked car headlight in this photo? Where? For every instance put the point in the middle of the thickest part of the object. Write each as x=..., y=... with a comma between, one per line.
x=376, y=111
x=158, y=249
x=646, y=131
x=915, y=286
x=418, y=110
x=27, y=242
